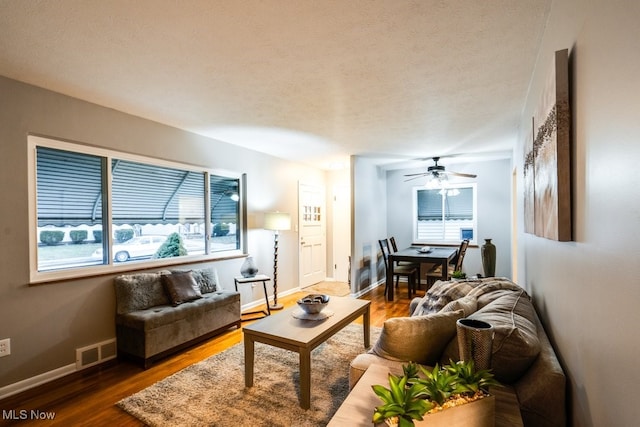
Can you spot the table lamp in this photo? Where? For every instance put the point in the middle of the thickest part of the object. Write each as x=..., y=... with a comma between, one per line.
x=276, y=221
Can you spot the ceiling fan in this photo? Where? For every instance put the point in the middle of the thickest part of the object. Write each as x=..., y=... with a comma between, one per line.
x=437, y=172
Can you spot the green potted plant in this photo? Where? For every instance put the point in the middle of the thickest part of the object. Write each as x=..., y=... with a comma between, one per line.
x=422, y=393
x=458, y=274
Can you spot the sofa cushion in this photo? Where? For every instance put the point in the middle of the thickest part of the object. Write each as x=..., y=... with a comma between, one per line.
x=206, y=278
x=181, y=287
x=516, y=344
x=441, y=294
x=468, y=305
x=139, y=292
x=210, y=304
x=419, y=339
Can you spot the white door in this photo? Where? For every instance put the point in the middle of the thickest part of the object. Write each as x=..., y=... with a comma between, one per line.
x=312, y=223
x=341, y=232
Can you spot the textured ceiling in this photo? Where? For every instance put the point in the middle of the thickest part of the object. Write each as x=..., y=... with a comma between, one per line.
x=312, y=81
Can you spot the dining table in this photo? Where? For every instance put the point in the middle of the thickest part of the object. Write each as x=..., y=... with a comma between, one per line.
x=420, y=255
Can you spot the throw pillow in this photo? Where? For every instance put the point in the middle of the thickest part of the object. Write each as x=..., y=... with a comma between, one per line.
x=206, y=278
x=516, y=344
x=468, y=305
x=139, y=292
x=441, y=294
x=418, y=339
x=181, y=287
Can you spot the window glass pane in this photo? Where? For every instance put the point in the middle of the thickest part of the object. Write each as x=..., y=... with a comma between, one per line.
x=225, y=213
x=157, y=212
x=153, y=210
x=69, y=208
x=442, y=214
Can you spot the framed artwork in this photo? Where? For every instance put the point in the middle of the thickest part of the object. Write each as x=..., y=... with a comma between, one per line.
x=548, y=163
x=529, y=214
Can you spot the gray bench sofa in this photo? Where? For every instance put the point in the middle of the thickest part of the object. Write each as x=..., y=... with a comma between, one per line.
x=161, y=313
x=523, y=359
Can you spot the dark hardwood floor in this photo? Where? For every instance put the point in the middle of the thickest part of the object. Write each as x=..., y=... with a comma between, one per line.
x=88, y=398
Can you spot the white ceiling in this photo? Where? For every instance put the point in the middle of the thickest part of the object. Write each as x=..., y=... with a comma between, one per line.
x=307, y=80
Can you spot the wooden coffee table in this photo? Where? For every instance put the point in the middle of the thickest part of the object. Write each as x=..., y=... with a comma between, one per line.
x=302, y=336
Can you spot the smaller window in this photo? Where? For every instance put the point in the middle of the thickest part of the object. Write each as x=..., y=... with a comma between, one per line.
x=444, y=215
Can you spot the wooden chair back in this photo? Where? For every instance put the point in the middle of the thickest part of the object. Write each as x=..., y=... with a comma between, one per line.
x=384, y=247
x=461, y=251
x=394, y=246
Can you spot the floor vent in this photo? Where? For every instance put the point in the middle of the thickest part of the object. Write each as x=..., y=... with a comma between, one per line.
x=96, y=353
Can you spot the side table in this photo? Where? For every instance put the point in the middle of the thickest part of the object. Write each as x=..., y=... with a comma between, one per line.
x=239, y=280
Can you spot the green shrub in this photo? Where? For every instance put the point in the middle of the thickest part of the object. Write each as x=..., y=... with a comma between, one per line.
x=51, y=237
x=78, y=236
x=123, y=234
x=220, y=229
x=97, y=236
x=172, y=247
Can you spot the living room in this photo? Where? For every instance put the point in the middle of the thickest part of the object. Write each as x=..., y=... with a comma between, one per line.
x=587, y=310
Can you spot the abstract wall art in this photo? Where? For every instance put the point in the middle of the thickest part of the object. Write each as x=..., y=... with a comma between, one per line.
x=547, y=163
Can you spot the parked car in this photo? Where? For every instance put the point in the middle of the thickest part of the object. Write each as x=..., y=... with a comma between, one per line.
x=137, y=247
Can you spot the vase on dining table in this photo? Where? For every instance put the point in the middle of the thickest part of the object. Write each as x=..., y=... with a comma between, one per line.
x=488, y=254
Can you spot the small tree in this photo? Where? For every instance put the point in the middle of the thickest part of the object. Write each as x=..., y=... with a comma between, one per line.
x=97, y=236
x=123, y=234
x=220, y=229
x=78, y=236
x=51, y=237
x=172, y=247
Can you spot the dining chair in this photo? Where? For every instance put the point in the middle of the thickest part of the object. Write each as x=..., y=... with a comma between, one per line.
x=394, y=248
x=436, y=273
x=408, y=271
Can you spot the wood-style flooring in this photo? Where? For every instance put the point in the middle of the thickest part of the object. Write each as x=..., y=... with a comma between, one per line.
x=89, y=397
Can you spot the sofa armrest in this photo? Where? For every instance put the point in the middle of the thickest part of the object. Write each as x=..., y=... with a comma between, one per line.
x=541, y=390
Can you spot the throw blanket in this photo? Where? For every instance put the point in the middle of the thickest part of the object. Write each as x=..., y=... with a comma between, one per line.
x=442, y=293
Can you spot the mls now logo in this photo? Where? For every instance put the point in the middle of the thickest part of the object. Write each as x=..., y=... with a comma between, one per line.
x=24, y=414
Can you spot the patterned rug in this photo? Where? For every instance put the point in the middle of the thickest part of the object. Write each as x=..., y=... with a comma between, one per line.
x=338, y=289
x=212, y=392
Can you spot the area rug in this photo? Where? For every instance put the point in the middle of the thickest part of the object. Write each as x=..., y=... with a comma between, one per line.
x=338, y=289
x=212, y=392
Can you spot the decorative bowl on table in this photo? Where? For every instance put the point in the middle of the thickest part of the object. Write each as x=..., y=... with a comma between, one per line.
x=313, y=303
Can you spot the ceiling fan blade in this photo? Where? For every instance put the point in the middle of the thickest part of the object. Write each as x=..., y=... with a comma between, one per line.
x=418, y=174
x=416, y=177
x=464, y=175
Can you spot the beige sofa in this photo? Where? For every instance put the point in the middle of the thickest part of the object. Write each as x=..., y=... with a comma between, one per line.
x=522, y=357
x=160, y=313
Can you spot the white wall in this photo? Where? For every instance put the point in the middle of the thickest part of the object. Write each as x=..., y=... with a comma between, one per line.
x=46, y=323
x=588, y=290
x=369, y=222
x=494, y=210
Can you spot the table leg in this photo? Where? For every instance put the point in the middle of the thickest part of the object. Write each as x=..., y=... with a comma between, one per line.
x=390, y=280
x=366, y=323
x=266, y=297
x=248, y=361
x=445, y=270
x=305, y=378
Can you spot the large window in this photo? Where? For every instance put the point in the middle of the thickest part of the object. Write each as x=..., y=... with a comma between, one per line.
x=445, y=215
x=97, y=209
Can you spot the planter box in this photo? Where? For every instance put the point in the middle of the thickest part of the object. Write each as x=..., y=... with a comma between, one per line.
x=480, y=413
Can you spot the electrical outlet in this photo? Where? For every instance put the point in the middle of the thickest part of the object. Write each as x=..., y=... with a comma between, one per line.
x=5, y=347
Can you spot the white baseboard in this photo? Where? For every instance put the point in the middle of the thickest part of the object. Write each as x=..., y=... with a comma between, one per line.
x=29, y=383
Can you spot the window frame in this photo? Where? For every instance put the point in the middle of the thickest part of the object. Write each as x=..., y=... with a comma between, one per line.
x=443, y=242
x=37, y=276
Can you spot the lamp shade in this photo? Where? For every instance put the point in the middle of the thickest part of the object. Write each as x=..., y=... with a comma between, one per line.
x=277, y=221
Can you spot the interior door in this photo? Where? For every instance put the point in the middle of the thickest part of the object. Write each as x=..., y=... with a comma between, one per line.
x=341, y=217
x=312, y=224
